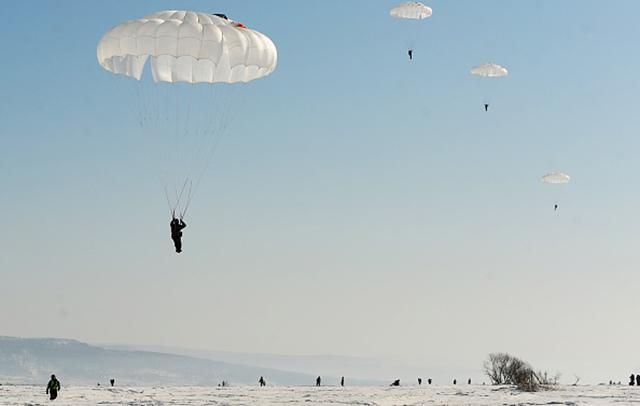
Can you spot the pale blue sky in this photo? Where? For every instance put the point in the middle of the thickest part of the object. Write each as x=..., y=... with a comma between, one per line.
x=360, y=205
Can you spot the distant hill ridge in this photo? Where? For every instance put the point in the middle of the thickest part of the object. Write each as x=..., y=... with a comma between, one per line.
x=33, y=360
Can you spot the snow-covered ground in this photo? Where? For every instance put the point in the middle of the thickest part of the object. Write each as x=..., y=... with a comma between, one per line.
x=382, y=396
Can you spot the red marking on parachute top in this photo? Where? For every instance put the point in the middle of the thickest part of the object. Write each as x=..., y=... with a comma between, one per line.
x=239, y=25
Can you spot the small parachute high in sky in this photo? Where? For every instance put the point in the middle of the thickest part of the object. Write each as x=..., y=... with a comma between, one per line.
x=193, y=59
x=489, y=70
x=556, y=178
x=411, y=10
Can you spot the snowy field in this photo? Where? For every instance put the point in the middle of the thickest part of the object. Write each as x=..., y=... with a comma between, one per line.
x=382, y=396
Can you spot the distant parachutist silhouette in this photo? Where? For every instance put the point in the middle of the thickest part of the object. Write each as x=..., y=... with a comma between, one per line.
x=177, y=225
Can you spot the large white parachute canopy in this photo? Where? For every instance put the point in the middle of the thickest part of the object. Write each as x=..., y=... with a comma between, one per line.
x=196, y=61
x=413, y=10
x=187, y=46
x=489, y=70
x=556, y=178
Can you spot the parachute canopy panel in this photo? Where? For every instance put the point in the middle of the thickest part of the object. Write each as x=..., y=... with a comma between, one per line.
x=187, y=46
x=556, y=178
x=413, y=10
x=489, y=70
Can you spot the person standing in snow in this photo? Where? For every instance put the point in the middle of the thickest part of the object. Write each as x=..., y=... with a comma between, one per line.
x=53, y=387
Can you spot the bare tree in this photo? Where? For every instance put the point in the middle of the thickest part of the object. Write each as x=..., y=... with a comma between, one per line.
x=544, y=378
x=505, y=369
x=496, y=368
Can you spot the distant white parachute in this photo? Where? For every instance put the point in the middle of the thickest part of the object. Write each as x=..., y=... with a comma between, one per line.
x=413, y=10
x=185, y=104
x=489, y=70
x=556, y=178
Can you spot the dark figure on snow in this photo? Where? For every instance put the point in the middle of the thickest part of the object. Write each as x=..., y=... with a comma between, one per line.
x=176, y=233
x=455, y=381
x=429, y=381
x=637, y=380
x=555, y=207
x=53, y=387
x=262, y=382
x=410, y=52
x=469, y=381
x=318, y=381
x=632, y=380
x=395, y=383
x=112, y=381
x=486, y=107
x=419, y=381
x=342, y=381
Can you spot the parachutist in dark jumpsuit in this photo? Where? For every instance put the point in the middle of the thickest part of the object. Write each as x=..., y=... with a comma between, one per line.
x=486, y=107
x=176, y=233
x=410, y=52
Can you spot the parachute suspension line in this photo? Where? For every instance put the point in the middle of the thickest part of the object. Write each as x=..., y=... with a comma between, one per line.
x=150, y=108
x=140, y=104
x=216, y=141
x=187, y=124
x=179, y=197
x=157, y=98
x=176, y=136
x=172, y=211
x=188, y=203
x=209, y=137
